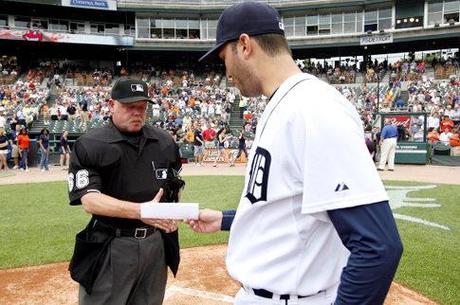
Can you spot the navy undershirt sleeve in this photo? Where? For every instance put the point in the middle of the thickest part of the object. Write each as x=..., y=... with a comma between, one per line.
x=369, y=232
x=227, y=219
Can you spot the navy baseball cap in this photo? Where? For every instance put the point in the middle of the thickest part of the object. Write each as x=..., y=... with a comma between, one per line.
x=127, y=90
x=252, y=18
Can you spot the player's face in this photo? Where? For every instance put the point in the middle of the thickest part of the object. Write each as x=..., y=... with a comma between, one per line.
x=128, y=117
x=238, y=72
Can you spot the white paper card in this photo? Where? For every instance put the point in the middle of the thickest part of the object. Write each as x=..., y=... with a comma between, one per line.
x=170, y=210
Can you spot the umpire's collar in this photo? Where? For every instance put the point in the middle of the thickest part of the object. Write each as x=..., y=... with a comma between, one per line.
x=112, y=134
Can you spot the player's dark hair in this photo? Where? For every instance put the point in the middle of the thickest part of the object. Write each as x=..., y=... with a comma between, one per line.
x=271, y=44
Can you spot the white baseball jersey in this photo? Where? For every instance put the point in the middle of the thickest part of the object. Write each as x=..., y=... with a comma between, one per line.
x=308, y=156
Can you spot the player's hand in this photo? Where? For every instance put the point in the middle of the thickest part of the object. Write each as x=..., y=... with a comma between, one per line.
x=209, y=221
x=167, y=225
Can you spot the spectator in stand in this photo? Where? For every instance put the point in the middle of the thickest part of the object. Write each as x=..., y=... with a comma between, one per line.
x=399, y=103
x=454, y=139
x=221, y=138
x=445, y=136
x=63, y=113
x=209, y=134
x=198, y=143
x=44, y=143
x=72, y=111
x=21, y=117
x=455, y=114
x=44, y=110
x=433, y=120
x=243, y=105
x=241, y=147
x=433, y=135
x=54, y=112
x=3, y=150
x=15, y=153
x=83, y=113
x=446, y=123
x=24, y=145
x=2, y=120
x=64, y=150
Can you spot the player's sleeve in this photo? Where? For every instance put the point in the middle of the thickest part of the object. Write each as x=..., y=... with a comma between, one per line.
x=83, y=176
x=336, y=168
x=227, y=219
x=369, y=232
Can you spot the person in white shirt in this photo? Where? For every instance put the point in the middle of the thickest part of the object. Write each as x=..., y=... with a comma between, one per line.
x=445, y=136
x=2, y=121
x=433, y=121
x=155, y=111
x=313, y=226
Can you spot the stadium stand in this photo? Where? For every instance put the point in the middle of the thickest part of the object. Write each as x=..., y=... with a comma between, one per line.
x=60, y=62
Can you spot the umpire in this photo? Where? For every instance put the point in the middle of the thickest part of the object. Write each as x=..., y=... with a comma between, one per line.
x=121, y=258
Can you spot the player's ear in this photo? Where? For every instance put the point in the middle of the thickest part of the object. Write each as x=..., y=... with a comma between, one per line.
x=245, y=45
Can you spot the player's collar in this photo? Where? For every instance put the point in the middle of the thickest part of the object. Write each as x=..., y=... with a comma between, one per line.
x=288, y=84
x=277, y=97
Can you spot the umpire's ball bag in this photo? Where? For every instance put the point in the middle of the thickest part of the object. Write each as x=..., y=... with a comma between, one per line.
x=88, y=255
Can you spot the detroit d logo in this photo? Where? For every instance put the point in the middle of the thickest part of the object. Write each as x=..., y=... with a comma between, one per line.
x=258, y=176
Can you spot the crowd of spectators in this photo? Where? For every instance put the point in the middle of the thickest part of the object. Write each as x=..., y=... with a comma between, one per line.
x=20, y=103
x=191, y=106
x=9, y=69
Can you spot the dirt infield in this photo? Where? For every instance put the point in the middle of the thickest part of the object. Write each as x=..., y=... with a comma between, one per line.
x=202, y=278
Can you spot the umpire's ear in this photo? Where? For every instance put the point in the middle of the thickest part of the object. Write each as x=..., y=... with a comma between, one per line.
x=111, y=105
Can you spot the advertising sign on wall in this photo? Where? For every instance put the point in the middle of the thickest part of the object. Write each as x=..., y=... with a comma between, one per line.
x=35, y=35
x=92, y=4
x=376, y=39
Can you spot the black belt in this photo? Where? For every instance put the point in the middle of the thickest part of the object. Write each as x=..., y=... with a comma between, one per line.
x=269, y=295
x=139, y=233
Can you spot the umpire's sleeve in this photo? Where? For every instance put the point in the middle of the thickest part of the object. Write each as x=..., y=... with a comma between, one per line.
x=370, y=233
x=83, y=176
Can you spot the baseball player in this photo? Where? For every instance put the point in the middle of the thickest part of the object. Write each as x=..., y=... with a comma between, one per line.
x=313, y=224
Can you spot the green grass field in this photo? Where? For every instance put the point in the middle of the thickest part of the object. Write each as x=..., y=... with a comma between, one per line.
x=38, y=226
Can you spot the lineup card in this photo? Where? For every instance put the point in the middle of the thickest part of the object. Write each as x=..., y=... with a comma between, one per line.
x=170, y=210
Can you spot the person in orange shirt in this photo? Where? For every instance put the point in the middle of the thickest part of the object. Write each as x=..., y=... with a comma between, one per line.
x=24, y=145
x=454, y=140
x=433, y=136
x=446, y=123
x=191, y=102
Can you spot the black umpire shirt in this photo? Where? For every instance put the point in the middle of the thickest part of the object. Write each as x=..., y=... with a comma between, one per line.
x=107, y=161
x=131, y=168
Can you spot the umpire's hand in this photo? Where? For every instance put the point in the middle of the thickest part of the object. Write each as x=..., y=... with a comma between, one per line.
x=167, y=225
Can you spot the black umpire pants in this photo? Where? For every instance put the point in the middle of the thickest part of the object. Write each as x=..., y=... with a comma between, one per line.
x=133, y=273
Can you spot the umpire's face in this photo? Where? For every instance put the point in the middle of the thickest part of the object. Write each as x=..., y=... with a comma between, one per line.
x=128, y=117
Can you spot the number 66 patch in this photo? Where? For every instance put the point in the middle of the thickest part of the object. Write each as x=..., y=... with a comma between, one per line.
x=80, y=179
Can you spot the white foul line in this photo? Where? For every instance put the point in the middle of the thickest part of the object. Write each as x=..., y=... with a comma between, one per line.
x=418, y=220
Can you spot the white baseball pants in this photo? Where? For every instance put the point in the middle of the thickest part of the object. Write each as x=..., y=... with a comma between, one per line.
x=247, y=297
